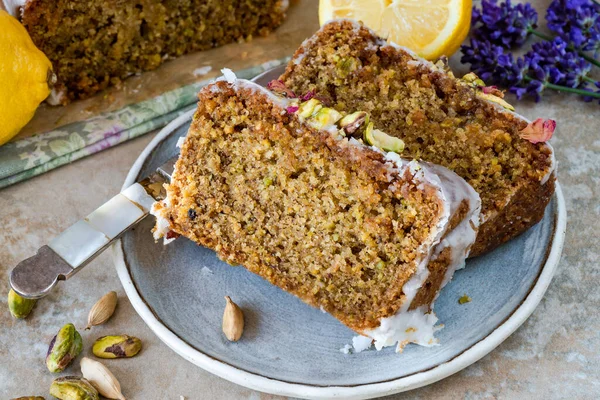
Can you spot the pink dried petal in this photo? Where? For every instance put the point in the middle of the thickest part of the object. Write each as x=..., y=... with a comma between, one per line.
x=292, y=109
x=493, y=90
x=309, y=95
x=278, y=87
x=539, y=131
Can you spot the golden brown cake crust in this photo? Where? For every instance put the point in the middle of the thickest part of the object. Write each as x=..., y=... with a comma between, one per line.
x=440, y=118
x=93, y=45
x=309, y=213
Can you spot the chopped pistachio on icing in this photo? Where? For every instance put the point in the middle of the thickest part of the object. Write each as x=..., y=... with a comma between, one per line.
x=495, y=99
x=489, y=93
x=538, y=131
x=311, y=109
x=464, y=299
x=351, y=123
x=382, y=140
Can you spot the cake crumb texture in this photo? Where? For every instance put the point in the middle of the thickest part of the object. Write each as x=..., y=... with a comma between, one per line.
x=93, y=45
x=439, y=118
x=310, y=213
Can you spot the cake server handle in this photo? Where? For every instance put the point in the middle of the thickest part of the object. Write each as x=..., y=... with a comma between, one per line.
x=79, y=244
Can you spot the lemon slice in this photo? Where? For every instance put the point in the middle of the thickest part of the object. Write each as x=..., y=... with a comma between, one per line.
x=431, y=28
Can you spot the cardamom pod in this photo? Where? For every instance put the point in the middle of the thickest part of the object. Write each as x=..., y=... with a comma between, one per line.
x=19, y=307
x=63, y=349
x=233, y=321
x=102, y=310
x=117, y=346
x=101, y=378
x=73, y=388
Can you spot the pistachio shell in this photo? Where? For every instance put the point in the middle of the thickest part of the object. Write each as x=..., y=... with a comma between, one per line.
x=101, y=378
x=233, y=321
x=73, y=388
x=102, y=310
x=116, y=346
x=19, y=307
x=63, y=349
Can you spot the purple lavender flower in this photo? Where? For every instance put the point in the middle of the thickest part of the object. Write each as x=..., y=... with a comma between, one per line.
x=493, y=64
x=505, y=25
x=577, y=22
x=571, y=69
x=547, y=65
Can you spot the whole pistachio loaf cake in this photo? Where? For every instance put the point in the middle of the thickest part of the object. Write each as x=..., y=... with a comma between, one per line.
x=93, y=45
x=279, y=186
x=458, y=123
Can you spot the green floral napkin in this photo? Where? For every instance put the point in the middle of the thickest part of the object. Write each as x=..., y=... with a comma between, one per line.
x=32, y=156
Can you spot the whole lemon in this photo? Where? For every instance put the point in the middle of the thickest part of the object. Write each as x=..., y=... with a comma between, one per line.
x=26, y=77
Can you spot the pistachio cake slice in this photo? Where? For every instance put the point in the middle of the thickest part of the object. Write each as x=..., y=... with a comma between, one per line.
x=458, y=123
x=277, y=186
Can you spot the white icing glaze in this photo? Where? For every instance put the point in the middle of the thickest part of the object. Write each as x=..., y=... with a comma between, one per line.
x=418, y=325
x=360, y=343
x=552, y=169
x=414, y=326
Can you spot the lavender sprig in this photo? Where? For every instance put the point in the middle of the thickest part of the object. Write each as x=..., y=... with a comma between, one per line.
x=577, y=22
x=504, y=25
x=509, y=25
x=544, y=67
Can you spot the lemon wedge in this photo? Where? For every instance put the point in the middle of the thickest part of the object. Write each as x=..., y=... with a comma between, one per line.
x=431, y=28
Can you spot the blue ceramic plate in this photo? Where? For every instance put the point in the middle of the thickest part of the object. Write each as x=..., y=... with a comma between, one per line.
x=290, y=348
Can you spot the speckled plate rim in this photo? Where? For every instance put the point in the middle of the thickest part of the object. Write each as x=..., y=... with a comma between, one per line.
x=366, y=391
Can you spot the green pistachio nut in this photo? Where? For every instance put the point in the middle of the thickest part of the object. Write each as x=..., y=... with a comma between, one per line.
x=64, y=347
x=495, y=99
x=19, y=307
x=324, y=117
x=382, y=140
x=29, y=398
x=473, y=80
x=308, y=108
x=352, y=123
x=73, y=388
x=118, y=346
x=345, y=66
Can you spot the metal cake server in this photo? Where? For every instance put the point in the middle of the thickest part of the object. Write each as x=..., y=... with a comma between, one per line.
x=79, y=244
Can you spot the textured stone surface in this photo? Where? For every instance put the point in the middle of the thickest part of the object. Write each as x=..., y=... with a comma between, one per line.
x=554, y=355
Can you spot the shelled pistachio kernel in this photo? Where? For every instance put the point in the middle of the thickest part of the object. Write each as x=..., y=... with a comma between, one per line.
x=116, y=346
x=73, y=388
x=19, y=307
x=29, y=398
x=308, y=108
x=324, y=117
x=382, y=140
x=63, y=349
x=351, y=123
